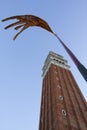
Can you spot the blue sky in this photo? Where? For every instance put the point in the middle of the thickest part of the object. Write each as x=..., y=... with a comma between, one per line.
x=21, y=61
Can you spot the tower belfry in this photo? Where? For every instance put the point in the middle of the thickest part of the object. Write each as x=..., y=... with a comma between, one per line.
x=63, y=106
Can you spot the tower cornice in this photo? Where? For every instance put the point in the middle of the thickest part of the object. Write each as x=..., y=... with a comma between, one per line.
x=55, y=59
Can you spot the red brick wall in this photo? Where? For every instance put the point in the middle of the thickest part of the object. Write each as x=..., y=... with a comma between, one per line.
x=63, y=106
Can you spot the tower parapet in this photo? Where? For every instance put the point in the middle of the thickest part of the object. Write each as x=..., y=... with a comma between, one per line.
x=55, y=59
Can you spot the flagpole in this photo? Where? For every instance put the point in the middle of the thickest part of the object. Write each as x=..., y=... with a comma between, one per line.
x=80, y=67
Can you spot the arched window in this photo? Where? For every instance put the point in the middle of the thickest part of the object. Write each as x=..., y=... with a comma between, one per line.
x=63, y=112
x=59, y=86
x=61, y=97
x=57, y=78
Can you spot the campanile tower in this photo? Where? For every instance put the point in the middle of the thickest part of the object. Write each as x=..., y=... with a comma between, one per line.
x=63, y=106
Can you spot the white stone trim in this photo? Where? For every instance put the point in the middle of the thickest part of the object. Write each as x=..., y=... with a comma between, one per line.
x=55, y=59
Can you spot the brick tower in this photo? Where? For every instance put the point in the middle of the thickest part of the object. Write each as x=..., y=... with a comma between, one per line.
x=63, y=106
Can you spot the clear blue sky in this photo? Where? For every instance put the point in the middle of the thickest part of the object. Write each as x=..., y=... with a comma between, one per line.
x=21, y=61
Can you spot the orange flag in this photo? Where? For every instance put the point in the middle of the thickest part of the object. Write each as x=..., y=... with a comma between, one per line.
x=25, y=21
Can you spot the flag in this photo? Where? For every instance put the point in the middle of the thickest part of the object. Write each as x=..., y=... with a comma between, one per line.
x=25, y=21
